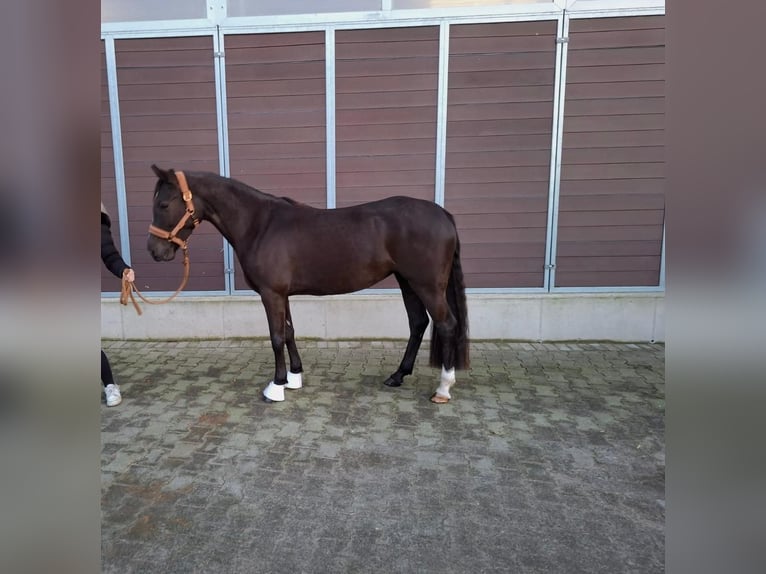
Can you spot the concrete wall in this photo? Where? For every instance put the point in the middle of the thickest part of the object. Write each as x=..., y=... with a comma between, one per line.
x=533, y=317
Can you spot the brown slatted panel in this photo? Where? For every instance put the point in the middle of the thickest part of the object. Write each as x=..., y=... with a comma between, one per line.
x=109, y=283
x=500, y=111
x=386, y=93
x=275, y=86
x=168, y=112
x=612, y=200
x=386, y=96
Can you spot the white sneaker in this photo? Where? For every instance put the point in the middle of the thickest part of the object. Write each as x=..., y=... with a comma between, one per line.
x=113, y=397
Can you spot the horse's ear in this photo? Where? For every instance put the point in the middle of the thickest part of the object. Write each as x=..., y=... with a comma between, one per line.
x=166, y=176
x=160, y=173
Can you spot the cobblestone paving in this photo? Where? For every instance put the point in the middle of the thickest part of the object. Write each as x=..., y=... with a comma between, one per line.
x=550, y=458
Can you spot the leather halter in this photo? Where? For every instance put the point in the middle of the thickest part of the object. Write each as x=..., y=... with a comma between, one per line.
x=129, y=287
x=172, y=235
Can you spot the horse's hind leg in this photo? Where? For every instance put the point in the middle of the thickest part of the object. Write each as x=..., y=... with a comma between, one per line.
x=445, y=325
x=294, y=377
x=418, y=319
x=446, y=336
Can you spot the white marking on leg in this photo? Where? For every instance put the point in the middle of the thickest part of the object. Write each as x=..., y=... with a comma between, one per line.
x=294, y=380
x=447, y=380
x=274, y=392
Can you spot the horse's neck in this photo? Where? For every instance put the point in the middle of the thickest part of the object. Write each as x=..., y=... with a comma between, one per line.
x=235, y=210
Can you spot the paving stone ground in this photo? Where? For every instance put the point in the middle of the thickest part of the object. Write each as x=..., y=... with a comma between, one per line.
x=550, y=458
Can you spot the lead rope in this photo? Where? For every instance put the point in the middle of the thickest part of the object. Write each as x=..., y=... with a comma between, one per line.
x=129, y=287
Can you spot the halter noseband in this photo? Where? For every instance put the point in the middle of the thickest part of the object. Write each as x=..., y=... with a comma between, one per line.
x=187, y=197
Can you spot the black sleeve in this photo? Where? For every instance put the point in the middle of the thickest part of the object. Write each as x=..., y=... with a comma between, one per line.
x=109, y=254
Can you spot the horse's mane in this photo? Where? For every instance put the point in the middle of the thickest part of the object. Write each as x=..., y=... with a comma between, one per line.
x=241, y=186
x=291, y=201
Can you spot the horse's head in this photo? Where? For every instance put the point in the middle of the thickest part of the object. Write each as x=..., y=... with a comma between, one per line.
x=173, y=218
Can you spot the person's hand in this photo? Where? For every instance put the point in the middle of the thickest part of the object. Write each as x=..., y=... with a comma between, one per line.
x=129, y=275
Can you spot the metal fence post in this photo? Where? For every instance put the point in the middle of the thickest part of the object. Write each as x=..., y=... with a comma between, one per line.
x=119, y=166
x=557, y=138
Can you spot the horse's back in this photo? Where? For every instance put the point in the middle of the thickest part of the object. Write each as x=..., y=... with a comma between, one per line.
x=351, y=248
x=391, y=215
x=400, y=209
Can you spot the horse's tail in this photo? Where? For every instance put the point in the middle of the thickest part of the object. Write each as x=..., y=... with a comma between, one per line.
x=457, y=304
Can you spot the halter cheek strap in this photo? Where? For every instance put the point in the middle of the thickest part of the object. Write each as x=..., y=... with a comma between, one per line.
x=187, y=197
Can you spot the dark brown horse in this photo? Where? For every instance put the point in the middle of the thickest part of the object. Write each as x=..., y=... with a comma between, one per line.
x=287, y=248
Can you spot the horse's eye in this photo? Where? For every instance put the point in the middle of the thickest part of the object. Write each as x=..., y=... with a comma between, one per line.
x=164, y=204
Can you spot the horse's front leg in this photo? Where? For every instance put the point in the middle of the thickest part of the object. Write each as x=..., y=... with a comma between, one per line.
x=294, y=375
x=275, y=305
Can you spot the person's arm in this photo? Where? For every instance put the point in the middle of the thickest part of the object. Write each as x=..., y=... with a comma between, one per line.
x=109, y=253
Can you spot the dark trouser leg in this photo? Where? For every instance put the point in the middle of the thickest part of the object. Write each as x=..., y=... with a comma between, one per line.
x=106, y=371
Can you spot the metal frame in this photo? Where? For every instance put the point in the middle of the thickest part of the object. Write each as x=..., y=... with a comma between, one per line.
x=562, y=43
x=158, y=29
x=606, y=8
x=329, y=54
x=616, y=289
x=119, y=165
x=219, y=61
x=164, y=294
x=257, y=26
x=441, y=114
x=218, y=24
x=662, y=257
x=556, y=146
x=389, y=18
x=588, y=9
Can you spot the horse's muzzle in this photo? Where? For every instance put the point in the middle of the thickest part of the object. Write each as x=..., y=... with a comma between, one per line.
x=161, y=249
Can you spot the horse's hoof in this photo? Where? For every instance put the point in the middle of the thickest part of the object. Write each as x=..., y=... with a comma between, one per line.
x=439, y=399
x=294, y=380
x=391, y=382
x=267, y=400
x=274, y=393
